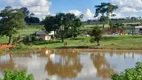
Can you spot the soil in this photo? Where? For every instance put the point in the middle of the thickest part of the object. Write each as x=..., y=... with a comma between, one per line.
x=5, y=46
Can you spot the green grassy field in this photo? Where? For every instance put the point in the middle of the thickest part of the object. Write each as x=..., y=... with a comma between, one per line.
x=29, y=29
x=111, y=42
x=88, y=27
x=115, y=42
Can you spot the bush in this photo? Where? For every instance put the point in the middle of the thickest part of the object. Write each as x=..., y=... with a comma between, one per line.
x=17, y=75
x=96, y=33
x=130, y=74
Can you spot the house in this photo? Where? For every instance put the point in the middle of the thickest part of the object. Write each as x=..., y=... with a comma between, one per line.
x=138, y=29
x=132, y=24
x=44, y=35
x=133, y=28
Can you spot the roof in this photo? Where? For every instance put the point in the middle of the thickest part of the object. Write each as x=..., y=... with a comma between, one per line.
x=44, y=33
x=41, y=33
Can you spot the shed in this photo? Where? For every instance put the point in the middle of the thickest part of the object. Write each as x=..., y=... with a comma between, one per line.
x=138, y=29
x=43, y=35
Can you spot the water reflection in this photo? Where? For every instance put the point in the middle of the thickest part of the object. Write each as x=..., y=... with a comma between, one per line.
x=104, y=69
x=66, y=64
x=70, y=64
x=6, y=62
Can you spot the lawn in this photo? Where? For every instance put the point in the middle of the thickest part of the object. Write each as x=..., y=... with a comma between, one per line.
x=113, y=42
x=30, y=29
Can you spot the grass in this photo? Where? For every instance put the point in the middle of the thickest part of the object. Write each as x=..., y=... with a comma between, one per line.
x=119, y=42
x=3, y=39
x=122, y=42
x=107, y=42
x=91, y=26
x=29, y=29
x=111, y=42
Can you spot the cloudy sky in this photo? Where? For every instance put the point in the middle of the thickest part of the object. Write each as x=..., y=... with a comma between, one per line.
x=86, y=7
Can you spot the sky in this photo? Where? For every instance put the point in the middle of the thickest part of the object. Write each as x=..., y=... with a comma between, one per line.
x=41, y=8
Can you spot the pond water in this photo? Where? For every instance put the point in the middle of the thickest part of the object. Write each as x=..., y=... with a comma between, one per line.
x=71, y=64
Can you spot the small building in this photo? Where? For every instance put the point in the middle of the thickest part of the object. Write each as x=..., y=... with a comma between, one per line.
x=138, y=29
x=132, y=24
x=44, y=35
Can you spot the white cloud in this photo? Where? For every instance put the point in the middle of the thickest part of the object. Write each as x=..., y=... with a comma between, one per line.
x=39, y=7
x=129, y=10
x=128, y=7
x=130, y=3
x=89, y=14
x=75, y=12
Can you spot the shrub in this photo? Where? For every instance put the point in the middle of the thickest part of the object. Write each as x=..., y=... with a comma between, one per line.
x=130, y=74
x=17, y=75
x=96, y=34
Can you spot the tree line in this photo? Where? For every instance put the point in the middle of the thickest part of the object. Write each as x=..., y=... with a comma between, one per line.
x=64, y=25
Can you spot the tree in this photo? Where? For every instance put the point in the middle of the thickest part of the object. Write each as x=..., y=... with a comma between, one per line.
x=29, y=16
x=64, y=24
x=25, y=11
x=76, y=27
x=104, y=20
x=106, y=10
x=13, y=19
x=69, y=24
x=50, y=24
x=130, y=74
x=96, y=33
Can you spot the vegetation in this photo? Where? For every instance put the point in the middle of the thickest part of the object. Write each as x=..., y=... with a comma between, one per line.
x=106, y=10
x=107, y=42
x=97, y=34
x=17, y=75
x=130, y=74
x=12, y=20
x=66, y=25
x=29, y=19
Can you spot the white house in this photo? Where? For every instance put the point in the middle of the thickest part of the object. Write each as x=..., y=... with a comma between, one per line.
x=44, y=35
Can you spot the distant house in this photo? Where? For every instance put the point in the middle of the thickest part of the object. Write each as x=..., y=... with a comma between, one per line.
x=138, y=29
x=44, y=35
x=132, y=24
x=133, y=28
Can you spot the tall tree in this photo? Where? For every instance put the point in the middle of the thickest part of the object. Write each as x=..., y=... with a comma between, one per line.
x=13, y=19
x=29, y=16
x=106, y=10
x=64, y=24
x=25, y=11
x=50, y=24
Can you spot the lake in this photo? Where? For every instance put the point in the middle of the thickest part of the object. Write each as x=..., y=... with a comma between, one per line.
x=70, y=64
